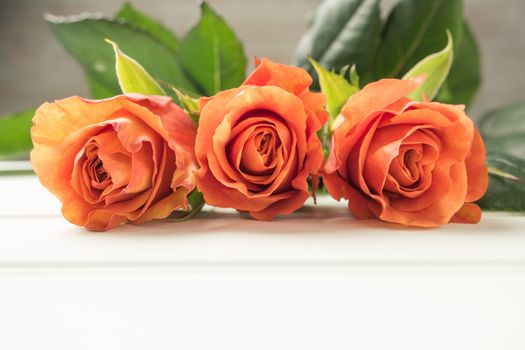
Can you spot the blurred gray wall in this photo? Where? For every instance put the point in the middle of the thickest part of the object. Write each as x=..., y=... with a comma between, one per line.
x=34, y=67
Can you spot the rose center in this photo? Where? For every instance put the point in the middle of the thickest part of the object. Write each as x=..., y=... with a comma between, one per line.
x=100, y=173
x=405, y=169
x=410, y=162
x=97, y=174
x=264, y=143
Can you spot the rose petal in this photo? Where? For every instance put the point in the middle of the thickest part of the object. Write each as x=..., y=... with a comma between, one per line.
x=477, y=172
x=468, y=214
x=376, y=96
x=292, y=79
x=52, y=166
x=425, y=210
x=283, y=207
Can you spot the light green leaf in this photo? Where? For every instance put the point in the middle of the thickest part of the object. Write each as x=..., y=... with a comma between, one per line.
x=504, y=130
x=343, y=32
x=132, y=77
x=506, y=189
x=189, y=103
x=434, y=69
x=212, y=55
x=84, y=38
x=464, y=78
x=354, y=76
x=15, y=135
x=336, y=89
x=133, y=16
x=414, y=30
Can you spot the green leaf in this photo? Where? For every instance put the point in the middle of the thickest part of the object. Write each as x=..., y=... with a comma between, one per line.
x=195, y=205
x=343, y=32
x=84, y=38
x=506, y=189
x=132, y=77
x=354, y=77
x=434, y=69
x=504, y=130
x=414, y=30
x=212, y=55
x=99, y=89
x=15, y=134
x=189, y=103
x=336, y=89
x=464, y=79
x=156, y=29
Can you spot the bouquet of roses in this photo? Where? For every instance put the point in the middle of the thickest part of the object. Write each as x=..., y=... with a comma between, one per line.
x=177, y=124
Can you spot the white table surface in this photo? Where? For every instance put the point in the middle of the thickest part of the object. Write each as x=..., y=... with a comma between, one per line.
x=314, y=280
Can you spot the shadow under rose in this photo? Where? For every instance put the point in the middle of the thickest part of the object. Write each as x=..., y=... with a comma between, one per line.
x=325, y=219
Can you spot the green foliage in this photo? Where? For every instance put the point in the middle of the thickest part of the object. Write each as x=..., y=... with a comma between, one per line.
x=132, y=16
x=336, y=89
x=503, y=130
x=343, y=32
x=212, y=55
x=415, y=29
x=132, y=77
x=15, y=135
x=434, y=69
x=84, y=39
x=189, y=104
x=464, y=78
x=506, y=183
x=195, y=205
x=346, y=32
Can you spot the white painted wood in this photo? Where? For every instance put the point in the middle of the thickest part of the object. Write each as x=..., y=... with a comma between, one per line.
x=314, y=280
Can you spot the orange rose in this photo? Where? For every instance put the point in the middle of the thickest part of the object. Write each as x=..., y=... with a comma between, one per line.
x=128, y=158
x=414, y=163
x=257, y=144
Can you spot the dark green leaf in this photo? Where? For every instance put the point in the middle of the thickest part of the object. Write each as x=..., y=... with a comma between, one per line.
x=99, y=89
x=156, y=29
x=506, y=189
x=414, y=30
x=343, y=32
x=504, y=130
x=212, y=54
x=84, y=39
x=15, y=134
x=464, y=78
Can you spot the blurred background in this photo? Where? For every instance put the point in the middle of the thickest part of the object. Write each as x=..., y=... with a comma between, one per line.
x=35, y=68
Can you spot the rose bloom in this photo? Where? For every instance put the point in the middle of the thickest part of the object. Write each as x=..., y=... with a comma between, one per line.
x=128, y=158
x=407, y=162
x=257, y=144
